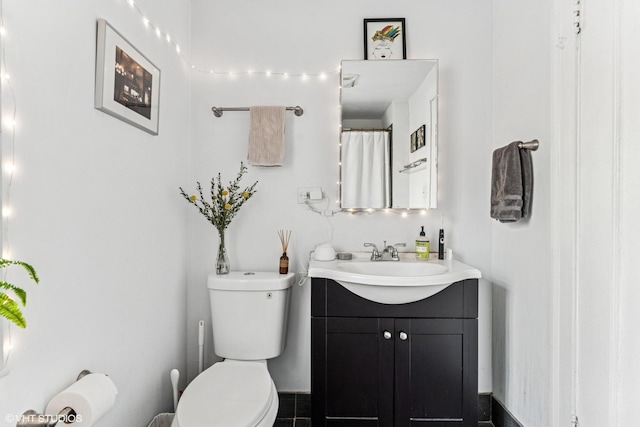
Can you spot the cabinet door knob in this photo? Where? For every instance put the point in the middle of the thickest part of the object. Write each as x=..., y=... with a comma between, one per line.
x=403, y=336
x=387, y=335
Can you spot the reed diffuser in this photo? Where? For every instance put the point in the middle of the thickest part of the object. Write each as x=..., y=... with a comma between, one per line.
x=284, y=235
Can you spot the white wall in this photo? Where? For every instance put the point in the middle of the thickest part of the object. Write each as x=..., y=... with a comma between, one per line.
x=566, y=294
x=627, y=369
x=607, y=201
x=288, y=35
x=96, y=210
x=520, y=261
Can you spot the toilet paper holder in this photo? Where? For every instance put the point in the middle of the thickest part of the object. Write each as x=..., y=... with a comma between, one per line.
x=67, y=415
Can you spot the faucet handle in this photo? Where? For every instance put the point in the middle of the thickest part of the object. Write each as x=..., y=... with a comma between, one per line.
x=395, y=248
x=375, y=255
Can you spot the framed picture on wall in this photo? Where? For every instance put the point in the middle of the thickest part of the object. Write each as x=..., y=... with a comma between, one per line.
x=384, y=38
x=127, y=83
x=420, y=138
x=414, y=141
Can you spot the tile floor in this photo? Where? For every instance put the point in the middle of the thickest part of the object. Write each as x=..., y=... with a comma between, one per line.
x=295, y=410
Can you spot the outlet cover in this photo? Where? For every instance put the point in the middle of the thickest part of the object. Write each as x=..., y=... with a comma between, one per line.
x=303, y=194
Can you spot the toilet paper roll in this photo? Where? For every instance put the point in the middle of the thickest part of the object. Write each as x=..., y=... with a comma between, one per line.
x=90, y=397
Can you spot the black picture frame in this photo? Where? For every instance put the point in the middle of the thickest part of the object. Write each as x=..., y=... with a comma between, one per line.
x=420, y=138
x=414, y=141
x=385, y=38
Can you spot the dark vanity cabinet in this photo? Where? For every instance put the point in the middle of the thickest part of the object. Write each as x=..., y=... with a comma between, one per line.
x=394, y=365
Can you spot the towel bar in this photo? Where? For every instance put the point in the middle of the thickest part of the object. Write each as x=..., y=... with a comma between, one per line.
x=217, y=111
x=531, y=145
x=413, y=164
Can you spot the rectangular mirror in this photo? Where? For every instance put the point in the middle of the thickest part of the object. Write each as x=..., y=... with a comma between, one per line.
x=389, y=138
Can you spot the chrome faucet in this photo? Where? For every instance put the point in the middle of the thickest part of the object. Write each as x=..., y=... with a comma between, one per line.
x=389, y=253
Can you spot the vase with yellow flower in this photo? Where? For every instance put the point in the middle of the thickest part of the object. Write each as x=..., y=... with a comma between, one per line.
x=224, y=205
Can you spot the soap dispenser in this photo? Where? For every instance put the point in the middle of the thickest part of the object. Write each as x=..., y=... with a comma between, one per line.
x=422, y=246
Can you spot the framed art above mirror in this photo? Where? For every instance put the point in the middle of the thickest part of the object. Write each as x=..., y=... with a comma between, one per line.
x=389, y=138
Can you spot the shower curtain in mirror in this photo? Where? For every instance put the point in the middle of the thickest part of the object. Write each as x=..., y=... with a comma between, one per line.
x=365, y=157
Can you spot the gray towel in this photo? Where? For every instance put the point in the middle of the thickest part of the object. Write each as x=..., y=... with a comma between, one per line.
x=511, y=183
x=266, y=136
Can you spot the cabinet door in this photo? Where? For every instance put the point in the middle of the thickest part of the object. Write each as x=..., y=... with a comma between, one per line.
x=352, y=372
x=436, y=373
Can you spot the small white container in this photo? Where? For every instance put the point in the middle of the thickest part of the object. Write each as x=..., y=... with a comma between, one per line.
x=324, y=252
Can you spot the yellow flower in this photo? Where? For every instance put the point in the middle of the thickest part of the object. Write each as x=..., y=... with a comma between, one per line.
x=225, y=192
x=245, y=194
x=192, y=198
x=227, y=206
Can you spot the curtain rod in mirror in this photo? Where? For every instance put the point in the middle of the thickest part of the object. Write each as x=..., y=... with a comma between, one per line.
x=365, y=130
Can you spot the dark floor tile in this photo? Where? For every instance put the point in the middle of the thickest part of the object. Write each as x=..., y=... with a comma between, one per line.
x=302, y=422
x=303, y=405
x=485, y=424
x=287, y=408
x=283, y=422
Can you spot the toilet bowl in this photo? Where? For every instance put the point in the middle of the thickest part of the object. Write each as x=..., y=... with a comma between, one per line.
x=249, y=314
x=229, y=394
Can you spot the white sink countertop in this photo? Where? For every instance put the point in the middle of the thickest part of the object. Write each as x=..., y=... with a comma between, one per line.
x=393, y=282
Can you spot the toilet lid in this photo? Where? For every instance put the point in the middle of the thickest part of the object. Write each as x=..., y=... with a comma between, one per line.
x=228, y=394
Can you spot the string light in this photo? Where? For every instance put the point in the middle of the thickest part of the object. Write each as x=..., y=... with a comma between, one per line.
x=7, y=146
x=9, y=123
x=304, y=76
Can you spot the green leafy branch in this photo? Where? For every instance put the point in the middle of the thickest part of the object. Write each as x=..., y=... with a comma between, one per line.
x=10, y=305
x=225, y=201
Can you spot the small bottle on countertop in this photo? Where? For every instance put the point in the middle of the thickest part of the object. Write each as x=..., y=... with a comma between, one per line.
x=284, y=263
x=422, y=246
x=441, y=239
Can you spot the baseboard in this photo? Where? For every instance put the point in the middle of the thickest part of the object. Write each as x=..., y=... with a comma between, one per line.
x=500, y=416
x=484, y=407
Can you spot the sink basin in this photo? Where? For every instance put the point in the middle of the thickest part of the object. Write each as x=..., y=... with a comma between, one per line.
x=393, y=268
x=393, y=282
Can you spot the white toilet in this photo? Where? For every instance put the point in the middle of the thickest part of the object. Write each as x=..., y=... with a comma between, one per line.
x=249, y=313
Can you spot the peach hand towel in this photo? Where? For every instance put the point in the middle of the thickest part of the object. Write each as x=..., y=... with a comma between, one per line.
x=266, y=136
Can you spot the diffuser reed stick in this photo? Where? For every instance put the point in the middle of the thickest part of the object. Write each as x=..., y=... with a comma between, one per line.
x=284, y=235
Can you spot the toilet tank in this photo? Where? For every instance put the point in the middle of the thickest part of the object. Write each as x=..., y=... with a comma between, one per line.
x=249, y=313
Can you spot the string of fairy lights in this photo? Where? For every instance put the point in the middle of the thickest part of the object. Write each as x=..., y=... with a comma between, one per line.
x=8, y=141
x=163, y=34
